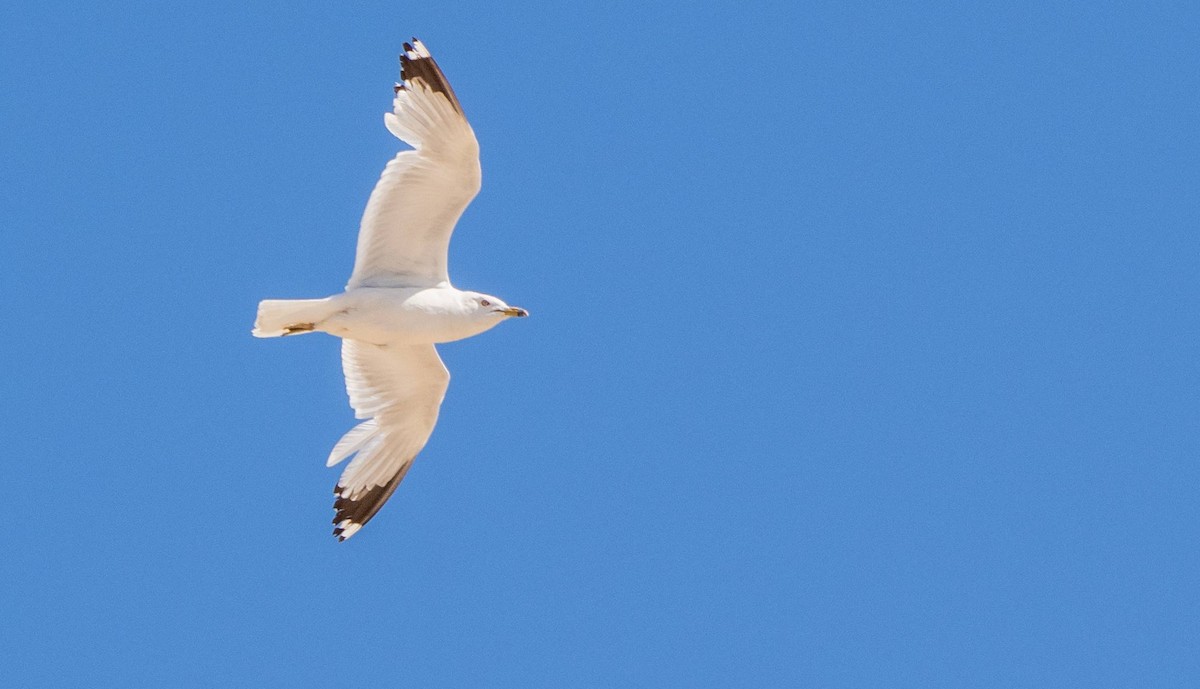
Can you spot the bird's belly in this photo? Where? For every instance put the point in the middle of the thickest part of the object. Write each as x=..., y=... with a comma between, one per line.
x=394, y=316
x=415, y=330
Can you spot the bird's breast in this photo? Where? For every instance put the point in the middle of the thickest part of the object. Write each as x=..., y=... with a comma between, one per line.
x=402, y=315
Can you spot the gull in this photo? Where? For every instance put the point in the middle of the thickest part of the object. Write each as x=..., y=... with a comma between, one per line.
x=399, y=301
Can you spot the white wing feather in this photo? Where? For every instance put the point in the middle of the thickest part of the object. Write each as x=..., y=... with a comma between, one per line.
x=399, y=390
x=405, y=232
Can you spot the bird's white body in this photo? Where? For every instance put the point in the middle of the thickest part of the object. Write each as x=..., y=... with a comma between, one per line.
x=383, y=315
x=399, y=301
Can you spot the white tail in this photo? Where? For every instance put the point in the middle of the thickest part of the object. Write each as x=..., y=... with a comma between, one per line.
x=278, y=317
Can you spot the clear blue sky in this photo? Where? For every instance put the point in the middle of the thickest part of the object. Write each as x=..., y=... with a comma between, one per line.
x=863, y=348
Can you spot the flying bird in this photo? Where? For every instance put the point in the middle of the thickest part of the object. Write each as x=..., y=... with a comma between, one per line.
x=399, y=301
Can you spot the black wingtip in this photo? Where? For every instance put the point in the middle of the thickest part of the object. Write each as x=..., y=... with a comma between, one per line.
x=421, y=67
x=359, y=510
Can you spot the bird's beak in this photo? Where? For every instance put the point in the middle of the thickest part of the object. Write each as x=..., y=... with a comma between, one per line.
x=515, y=312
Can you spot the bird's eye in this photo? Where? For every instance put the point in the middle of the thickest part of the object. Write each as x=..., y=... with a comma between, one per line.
x=484, y=302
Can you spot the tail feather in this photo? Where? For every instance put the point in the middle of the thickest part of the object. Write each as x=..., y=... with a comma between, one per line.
x=279, y=317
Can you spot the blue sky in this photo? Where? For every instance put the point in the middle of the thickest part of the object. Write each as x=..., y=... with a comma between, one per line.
x=862, y=348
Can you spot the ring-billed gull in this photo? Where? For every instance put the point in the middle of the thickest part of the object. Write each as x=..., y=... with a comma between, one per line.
x=399, y=300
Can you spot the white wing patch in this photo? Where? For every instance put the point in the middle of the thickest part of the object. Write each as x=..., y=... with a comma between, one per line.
x=399, y=390
x=352, y=442
x=405, y=233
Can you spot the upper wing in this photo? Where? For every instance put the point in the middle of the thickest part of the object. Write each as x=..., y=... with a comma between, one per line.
x=398, y=389
x=405, y=232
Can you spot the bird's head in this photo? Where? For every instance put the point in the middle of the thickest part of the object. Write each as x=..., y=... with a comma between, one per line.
x=487, y=306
